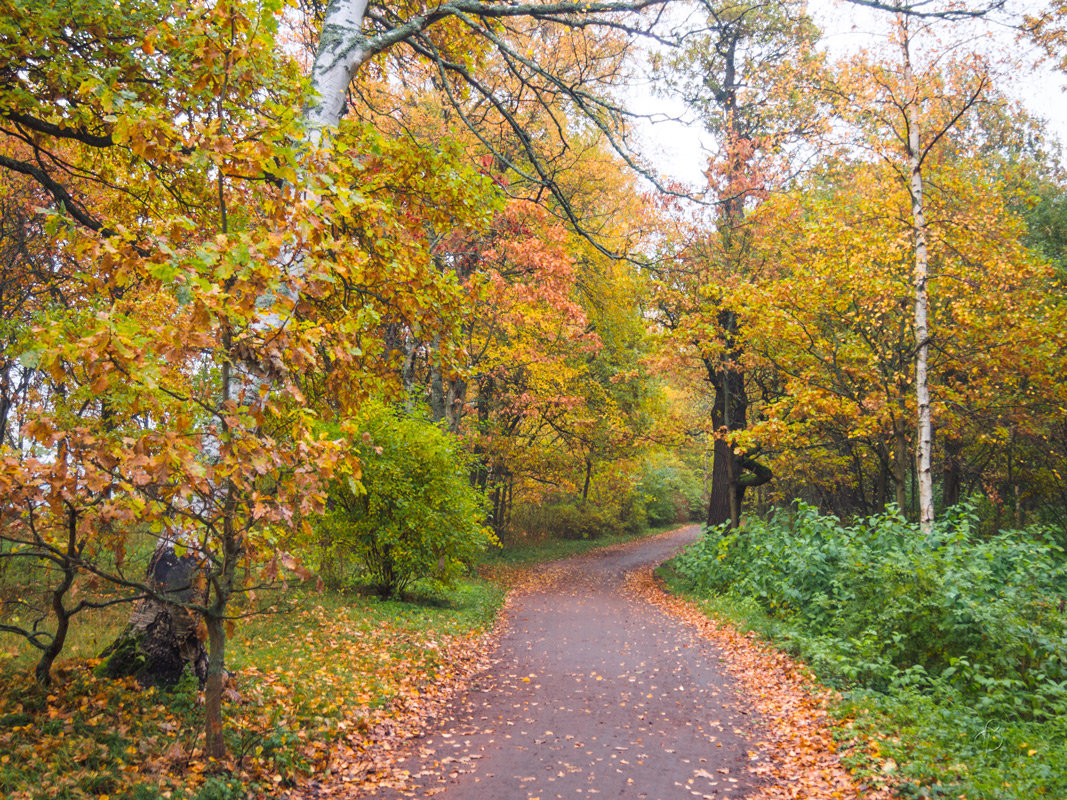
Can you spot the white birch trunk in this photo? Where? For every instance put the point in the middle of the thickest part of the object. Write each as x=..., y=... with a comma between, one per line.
x=924, y=441
x=342, y=49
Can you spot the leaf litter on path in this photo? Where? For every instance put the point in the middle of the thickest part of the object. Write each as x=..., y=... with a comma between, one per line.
x=799, y=754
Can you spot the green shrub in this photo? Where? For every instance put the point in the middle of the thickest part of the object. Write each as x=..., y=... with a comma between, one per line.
x=569, y=518
x=413, y=513
x=958, y=640
x=669, y=491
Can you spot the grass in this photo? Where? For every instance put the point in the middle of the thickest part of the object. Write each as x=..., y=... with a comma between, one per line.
x=314, y=667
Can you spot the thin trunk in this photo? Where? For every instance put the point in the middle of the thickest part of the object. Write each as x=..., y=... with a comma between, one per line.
x=924, y=439
x=857, y=471
x=953, y=472
x=43, y=671
x=222, y=584
x=215, y=744
x=900, y=465
x=437, y=392
x=498, y=506
x=881, y=487
x=881, y=491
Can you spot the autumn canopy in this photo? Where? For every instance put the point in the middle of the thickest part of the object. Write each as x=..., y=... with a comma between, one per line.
x=349, y=293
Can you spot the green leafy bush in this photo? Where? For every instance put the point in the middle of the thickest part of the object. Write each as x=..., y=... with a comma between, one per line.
x=958, y=637
x=412, y=514
x=669, y=491
x=569, y=518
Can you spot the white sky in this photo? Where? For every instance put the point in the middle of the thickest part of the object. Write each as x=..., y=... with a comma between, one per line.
x=679, y=150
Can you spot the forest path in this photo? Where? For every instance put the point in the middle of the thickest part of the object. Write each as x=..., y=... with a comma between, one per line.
x=593, y=692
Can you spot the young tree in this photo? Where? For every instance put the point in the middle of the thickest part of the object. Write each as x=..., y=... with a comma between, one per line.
x=915, y=107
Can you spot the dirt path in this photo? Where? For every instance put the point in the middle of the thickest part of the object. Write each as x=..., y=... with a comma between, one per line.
x=593, y=693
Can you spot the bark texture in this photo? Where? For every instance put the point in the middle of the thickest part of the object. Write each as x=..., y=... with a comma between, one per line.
x=924, y=440
x=162, y=639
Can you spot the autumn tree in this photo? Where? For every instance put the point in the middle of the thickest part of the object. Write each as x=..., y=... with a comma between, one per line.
x=181, y=410
x=834, y=319
x=914, y=107
x=544, y=253
x=748, y=73
x=236, y=241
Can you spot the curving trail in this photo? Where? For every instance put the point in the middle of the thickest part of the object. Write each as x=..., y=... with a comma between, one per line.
x=593, y=693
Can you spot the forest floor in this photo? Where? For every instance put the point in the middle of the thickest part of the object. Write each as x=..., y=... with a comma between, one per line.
x=598, y=684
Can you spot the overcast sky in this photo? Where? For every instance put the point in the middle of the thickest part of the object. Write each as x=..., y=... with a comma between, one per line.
x=679, y=150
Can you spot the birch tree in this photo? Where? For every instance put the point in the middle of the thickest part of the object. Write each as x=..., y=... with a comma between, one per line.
x=913, y=107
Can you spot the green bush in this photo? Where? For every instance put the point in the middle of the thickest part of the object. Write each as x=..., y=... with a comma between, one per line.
x=413, y=513
x=669, y=491
x=958, y=637
x=983, y=612
x=569, y=518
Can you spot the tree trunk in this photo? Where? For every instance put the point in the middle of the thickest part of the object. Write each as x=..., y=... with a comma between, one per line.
x=43, y=671
x=162, y=639
x=732, y=472
x=214, y=743
x=900, y=465
x=857, y=471
x=719, y=496
x=720, y=502
x=953, y=473
x=924, y=438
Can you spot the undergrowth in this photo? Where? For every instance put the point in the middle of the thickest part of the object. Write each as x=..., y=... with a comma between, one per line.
x=527, y=551
x=313, y=668
x=949, y=649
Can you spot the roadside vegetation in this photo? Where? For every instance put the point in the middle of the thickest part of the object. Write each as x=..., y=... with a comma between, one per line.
x=314, y=668
x=319, y=666
x=948, y=648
